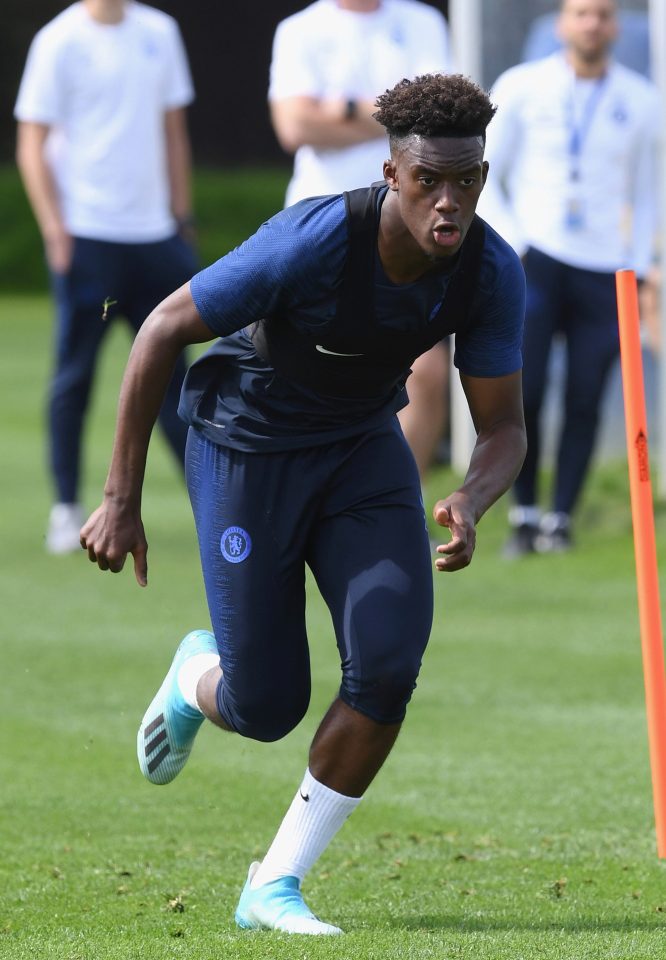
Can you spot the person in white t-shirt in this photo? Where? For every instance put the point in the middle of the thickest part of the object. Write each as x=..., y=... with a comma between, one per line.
x=572, y=156
x=330, y=62
x=104, y=155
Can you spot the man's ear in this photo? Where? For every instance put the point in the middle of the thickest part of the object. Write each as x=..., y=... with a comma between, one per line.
x=485, y=167
x=390, y=174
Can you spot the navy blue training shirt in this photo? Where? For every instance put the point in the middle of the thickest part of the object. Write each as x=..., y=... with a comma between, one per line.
x=292, y=267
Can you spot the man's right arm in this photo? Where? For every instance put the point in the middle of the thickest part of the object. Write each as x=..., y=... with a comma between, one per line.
x=306, y=110
x=115, y=528
x=41, y=190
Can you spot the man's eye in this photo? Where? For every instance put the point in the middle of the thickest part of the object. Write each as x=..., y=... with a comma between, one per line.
x=468, y=181
x=427, y=181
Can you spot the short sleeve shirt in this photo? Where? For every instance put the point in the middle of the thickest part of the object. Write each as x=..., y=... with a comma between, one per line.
x=103, y=90
x=292, y=267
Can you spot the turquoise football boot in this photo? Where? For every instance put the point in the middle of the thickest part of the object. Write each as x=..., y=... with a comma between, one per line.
x=169, y=725
x=278, y=905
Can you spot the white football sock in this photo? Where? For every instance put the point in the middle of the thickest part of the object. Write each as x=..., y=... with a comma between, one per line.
x=519, y=515
x=191, y=672
x=550, y=522
x=314, y=817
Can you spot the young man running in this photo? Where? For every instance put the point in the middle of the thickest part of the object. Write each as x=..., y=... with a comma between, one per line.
x=295, y=457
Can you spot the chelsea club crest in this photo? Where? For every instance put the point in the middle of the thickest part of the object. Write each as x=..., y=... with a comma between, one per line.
x=235, y=544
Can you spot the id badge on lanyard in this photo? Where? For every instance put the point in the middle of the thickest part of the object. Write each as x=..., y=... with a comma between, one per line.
x=574, y=208
x=574, y=218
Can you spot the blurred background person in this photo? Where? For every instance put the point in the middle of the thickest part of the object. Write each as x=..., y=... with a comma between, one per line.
x=572, y=153
x=632, y=48
x=104, y=156
x=330, y=61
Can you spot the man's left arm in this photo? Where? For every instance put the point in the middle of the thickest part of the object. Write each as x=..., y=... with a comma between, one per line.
x=179, y=165
x=496, y=406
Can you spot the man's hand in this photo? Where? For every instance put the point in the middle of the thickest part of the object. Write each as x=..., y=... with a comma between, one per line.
x=59, y=248
x=455, y=512
x=110, y=533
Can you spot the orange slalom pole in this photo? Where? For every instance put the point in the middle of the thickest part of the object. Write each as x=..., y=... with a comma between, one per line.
x=642, y=511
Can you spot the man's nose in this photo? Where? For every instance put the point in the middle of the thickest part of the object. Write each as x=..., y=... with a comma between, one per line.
x=447, y=200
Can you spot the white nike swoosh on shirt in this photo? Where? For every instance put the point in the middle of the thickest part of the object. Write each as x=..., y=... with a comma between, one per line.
x=334, y=353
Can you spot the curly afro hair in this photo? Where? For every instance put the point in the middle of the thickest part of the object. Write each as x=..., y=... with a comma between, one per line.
x=435, y=105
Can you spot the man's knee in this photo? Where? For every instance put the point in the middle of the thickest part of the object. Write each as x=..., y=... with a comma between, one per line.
x=383, y=696
x=265, y=717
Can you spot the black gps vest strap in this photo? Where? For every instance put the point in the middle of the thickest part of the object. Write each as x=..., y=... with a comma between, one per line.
x=356, y=294
x=354, y=356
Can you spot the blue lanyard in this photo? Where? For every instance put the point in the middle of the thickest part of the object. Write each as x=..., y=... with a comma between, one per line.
x=578, y=132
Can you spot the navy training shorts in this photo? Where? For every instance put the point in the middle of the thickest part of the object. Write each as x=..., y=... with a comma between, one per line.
x=352, y=512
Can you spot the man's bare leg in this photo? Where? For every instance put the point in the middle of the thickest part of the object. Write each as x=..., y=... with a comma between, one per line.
x=346, y=753
x=207, y=697
x=349, y=749
x=424, y=418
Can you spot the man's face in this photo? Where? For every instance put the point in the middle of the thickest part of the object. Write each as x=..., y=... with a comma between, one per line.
x=438, y=181
x=588, y=27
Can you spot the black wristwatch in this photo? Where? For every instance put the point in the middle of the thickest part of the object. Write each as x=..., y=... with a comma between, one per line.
x=351, y=109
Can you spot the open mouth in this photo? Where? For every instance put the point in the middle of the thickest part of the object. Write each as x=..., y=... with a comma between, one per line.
x=446, y=234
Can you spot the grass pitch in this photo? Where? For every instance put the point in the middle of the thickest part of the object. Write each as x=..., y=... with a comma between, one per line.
x=514, y=819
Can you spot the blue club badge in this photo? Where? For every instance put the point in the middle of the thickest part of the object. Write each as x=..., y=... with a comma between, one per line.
x=235, y=544
x=620, y=114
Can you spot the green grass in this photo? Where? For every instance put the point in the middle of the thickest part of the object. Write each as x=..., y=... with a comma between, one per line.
x=514, y=819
